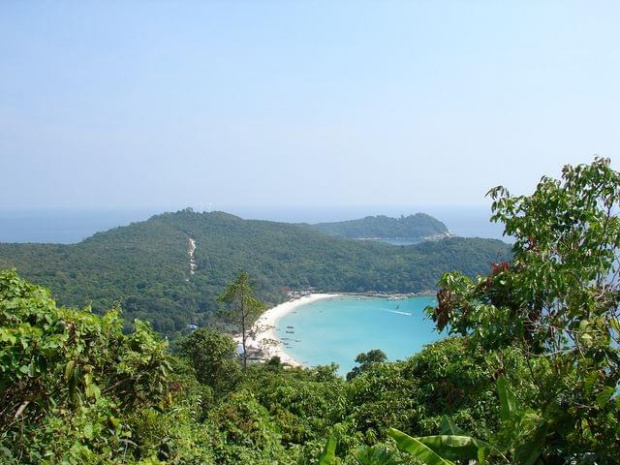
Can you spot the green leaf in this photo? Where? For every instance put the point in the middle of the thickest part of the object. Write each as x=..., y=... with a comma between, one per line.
x=32, y=369
x=415, y=448
x=448, y=426
x=115, y=422
x=93, y=391
x=6, y=337
x=375, y=455
x=329, y=453
x=529, y=452
x=508, y=401
x=605, y=396
x=457, y=447
x=69, y=369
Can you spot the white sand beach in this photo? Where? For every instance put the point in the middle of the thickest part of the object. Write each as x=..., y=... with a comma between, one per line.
x=265, y=337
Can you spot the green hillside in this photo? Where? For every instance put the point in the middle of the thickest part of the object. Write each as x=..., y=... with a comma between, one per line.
x=146, y=265
x=415, y=227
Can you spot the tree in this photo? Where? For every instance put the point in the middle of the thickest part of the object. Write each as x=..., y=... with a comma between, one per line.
x=212, y=355
x=71, y=382
x=557, y=302
x=242, y=308
x=366, y=361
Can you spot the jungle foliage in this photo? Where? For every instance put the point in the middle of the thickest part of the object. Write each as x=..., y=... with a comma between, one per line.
x=557, y=303
x=76, y=389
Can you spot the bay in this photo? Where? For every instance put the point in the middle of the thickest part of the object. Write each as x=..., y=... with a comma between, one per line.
x=338, y=329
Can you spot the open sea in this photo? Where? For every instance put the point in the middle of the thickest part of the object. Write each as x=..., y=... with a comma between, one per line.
x=338, y=329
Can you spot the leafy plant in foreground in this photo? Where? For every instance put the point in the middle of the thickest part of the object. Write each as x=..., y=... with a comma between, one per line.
x=74, y=389
x=520, y=441
x=558, y=304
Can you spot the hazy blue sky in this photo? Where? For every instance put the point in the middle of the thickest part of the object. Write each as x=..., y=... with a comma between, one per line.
x=143, y=103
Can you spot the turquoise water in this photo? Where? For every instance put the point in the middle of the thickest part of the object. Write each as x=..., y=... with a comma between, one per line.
x=338, y=329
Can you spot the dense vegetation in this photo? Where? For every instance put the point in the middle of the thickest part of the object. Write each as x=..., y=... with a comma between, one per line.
x=146, y=266
x=531, y=375
x=413, y=227
x=75, y=389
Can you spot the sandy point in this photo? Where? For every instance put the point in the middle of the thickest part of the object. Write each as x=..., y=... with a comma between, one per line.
x=265, y=338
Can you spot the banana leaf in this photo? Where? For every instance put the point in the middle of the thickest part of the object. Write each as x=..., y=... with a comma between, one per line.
x=328, y=457
x=443, y=449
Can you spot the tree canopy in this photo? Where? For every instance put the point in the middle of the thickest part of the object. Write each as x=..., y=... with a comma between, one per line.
x=557, y=301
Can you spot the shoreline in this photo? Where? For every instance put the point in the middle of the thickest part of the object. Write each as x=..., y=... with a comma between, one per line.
x=265, y=339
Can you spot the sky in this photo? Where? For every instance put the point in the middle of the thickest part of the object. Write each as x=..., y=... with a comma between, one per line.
x=131, y=104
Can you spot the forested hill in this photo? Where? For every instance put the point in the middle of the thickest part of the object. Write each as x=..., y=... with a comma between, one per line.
x=415, y=227
x=146, y=265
